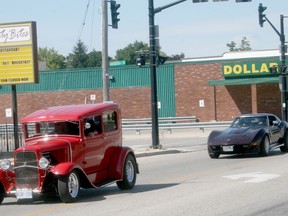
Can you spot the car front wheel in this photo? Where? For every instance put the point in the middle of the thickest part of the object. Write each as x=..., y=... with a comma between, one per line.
x=265, y=146
x=68, y=187
x=129, y=174
x=2, y=194
x=213, y=154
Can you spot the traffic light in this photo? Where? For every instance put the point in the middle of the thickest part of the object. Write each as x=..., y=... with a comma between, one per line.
x=283, y=68
x=141, y=60
x=114, y=14
x=274, y=69
x=161, y=59
x=262, y=17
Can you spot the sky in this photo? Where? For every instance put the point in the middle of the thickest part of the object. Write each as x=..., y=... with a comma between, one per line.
x=195, y=29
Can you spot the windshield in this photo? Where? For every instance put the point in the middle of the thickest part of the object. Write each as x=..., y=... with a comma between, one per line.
x=52, y=128
x=250, y=122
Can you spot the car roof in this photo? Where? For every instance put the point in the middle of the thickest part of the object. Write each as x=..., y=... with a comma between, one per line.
x=68, y=112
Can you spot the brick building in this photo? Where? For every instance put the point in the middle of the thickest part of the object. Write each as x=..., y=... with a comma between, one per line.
x=212, y=89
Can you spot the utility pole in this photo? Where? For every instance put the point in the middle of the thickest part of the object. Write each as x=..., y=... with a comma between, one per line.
x=105, y=65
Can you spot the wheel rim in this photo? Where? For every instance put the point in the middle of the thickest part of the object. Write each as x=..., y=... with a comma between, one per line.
x=73, y=184
x=130, y=171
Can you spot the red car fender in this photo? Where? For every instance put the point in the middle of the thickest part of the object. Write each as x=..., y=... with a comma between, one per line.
x=117, y=162
x=7, y=180
x=64, y=168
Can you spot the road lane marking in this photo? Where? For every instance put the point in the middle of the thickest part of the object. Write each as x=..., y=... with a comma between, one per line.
x=253, y=177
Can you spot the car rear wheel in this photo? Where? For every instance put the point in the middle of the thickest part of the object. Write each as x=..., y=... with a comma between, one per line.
x=68, y=187
x=265, y=146
x=284, y=148
x=129, y=174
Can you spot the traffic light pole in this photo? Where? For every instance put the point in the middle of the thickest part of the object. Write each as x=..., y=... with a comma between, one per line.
x=282, y=68
x=153, y=65
x=152, y=54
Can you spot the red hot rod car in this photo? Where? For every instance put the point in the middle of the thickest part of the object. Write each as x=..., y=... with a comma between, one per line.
x=68, y=147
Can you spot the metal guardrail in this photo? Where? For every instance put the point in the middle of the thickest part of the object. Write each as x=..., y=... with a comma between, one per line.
x=171, y=123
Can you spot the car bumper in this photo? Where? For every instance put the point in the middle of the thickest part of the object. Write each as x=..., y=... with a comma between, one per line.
x=233, y=149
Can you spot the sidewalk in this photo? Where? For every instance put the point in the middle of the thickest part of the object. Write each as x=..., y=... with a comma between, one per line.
x=180, y=140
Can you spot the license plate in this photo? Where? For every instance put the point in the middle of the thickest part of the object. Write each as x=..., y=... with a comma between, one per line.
x=24, y=194
x=228, y=148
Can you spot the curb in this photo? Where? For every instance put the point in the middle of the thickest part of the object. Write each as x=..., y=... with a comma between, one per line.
x=156, y=152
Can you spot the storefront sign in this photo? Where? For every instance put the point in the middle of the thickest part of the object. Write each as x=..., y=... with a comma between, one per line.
x=247, y=69
x=18, y=53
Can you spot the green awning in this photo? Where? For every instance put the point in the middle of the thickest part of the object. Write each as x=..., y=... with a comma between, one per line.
x=248, y=81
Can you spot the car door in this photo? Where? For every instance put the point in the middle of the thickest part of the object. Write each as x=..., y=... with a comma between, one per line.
x=275, y=128
x=94, y=143
x=112, y=134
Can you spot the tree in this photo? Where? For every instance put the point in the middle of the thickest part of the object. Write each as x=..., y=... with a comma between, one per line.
x=130, y=52
x=94, y=59
x=245, y=45
x=176, y=57
x=52, y=58
x=79, y=57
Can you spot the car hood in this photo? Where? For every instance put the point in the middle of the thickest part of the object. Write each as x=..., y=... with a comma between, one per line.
x=48, y=144
x=233, y=135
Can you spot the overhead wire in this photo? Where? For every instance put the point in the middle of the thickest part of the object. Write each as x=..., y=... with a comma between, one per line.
x=84, y=22
x=92, y=29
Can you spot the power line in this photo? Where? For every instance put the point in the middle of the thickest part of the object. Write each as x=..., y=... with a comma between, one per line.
x=92, y=31
x=84, y=21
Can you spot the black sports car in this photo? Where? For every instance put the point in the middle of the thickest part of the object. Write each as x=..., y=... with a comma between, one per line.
x=250, y=133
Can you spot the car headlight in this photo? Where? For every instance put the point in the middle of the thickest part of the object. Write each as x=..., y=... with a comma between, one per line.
x=43, y=163
x=5, y=164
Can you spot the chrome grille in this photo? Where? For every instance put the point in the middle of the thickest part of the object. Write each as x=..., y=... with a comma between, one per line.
x=26, y=169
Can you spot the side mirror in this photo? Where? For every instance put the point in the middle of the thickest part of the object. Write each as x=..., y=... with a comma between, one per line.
x=275, y=122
